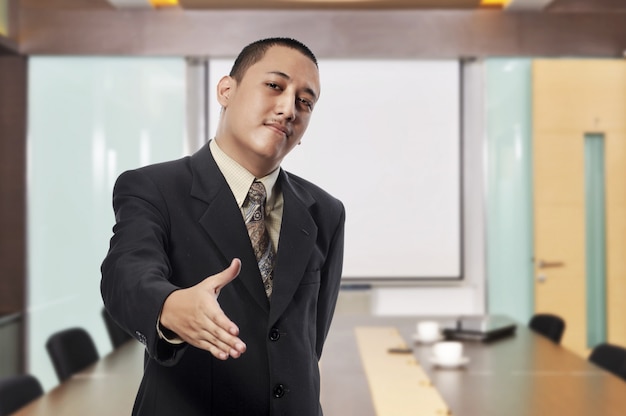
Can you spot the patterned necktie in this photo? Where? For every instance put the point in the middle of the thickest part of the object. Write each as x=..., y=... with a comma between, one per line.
x=254, y=215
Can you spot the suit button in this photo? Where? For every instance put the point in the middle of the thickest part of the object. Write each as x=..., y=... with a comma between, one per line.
x=274, y=335
x=279, y=391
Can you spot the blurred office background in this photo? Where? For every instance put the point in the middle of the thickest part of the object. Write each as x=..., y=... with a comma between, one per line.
x=508, y=121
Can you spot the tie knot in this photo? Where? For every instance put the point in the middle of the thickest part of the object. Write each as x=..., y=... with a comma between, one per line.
x=257, y=193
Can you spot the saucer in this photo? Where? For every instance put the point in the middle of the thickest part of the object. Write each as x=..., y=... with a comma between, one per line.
x=416, y=338
x=463, y=361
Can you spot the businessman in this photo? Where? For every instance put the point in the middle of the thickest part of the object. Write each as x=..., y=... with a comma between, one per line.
x=226, y=267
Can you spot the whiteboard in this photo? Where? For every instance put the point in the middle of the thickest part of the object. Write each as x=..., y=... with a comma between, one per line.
x=384, y=138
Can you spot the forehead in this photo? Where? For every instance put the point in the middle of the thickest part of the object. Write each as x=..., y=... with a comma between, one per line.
x=298, y=68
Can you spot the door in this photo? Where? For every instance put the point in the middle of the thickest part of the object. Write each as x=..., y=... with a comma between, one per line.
x=574, y=100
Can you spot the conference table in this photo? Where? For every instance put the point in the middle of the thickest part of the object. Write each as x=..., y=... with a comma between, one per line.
x=520, y=375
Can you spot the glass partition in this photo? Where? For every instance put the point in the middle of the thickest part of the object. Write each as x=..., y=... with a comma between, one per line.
x=89, y=119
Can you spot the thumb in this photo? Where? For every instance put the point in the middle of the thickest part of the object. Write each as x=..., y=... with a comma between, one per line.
x=227, y=275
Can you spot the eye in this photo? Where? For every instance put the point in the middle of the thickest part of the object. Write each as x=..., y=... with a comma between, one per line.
x=273, y=85
x=308, y=104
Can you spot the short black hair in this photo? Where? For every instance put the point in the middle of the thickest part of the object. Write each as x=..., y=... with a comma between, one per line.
x=255, y=51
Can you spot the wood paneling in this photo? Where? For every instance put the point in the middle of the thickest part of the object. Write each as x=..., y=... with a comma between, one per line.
x=13, y=73
x=339, y=33
x=7, y=46
x=586, y=6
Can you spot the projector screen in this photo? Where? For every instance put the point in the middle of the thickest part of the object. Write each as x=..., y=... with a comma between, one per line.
x=384, y=138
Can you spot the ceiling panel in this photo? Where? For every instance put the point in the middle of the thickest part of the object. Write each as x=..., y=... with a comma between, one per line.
x=587, y=6
x=552, y=6
x=304, y=4
x=66, y=4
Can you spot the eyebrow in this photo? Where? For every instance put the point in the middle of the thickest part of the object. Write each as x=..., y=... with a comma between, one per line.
x=285, y=76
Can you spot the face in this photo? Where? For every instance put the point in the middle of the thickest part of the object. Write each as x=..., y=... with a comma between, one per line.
x=265, y=115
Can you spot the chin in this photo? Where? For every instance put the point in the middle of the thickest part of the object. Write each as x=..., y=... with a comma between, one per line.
x=272, y=143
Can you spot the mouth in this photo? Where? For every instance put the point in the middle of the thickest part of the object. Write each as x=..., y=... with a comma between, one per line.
x=280, y=128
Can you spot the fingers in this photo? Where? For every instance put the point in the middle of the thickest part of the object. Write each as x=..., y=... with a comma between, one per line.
x=218, y=281
x=222, y=345
x=224, y=334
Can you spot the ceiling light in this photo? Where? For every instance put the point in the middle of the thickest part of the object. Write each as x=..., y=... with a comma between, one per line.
x=494, y=3
x=163, y=3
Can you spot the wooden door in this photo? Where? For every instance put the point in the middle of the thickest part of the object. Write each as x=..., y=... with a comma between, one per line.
x=571, y=99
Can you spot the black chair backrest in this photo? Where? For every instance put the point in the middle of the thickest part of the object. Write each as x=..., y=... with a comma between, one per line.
x=71, y=350
x=17, y=391
x=610, y=357
x=548, y=325
x=117, y=335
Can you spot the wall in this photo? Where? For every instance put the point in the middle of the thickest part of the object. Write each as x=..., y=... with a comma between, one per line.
x=376, y=34
x=107, y=113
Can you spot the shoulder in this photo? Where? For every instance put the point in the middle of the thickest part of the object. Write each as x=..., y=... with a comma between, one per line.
x=170, y=174
x=175, y=170
x=167, y=168
x=318, y=196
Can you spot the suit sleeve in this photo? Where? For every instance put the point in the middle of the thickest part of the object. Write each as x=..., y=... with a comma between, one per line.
x=330, y=283
x=136, y=271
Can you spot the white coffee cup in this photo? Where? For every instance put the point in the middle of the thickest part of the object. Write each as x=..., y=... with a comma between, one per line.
x=428, y=331
x=448, y=352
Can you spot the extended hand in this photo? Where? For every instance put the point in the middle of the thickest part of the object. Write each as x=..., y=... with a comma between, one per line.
x=195, y=315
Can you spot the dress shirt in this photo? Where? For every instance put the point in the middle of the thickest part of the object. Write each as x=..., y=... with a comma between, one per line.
x=239, y=180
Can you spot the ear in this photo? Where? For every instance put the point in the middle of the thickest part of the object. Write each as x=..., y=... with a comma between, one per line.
x=225, y=87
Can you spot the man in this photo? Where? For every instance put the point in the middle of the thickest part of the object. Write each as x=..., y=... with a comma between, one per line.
x=227, y=332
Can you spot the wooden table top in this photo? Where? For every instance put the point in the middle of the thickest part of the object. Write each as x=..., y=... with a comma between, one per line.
x=107, y=388
x=523, y=375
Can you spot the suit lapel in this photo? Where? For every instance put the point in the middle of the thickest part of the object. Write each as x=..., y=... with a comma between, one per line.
x=224, y=224
x=298, y=235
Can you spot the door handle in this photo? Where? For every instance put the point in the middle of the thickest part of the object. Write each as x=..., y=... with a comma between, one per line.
x=549, y=264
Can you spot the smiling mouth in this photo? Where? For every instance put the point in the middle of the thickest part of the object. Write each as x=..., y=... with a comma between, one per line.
x=280, y=128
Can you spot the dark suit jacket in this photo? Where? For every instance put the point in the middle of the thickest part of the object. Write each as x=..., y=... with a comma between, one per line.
x=177, y=223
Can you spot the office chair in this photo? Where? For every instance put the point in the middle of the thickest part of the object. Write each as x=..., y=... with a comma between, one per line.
x=17, y=391
x=116, y=334
x=548, y=325
x=610, y=357
x=71, y=350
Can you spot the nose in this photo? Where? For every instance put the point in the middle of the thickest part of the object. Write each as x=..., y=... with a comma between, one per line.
x=286, y=106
